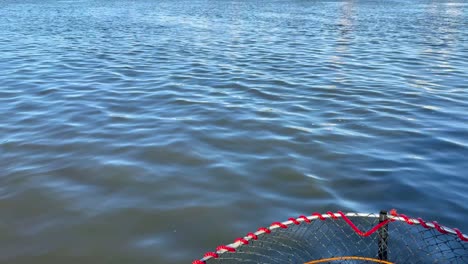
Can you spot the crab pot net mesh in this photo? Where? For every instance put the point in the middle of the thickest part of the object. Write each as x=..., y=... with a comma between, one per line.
x=346, y=238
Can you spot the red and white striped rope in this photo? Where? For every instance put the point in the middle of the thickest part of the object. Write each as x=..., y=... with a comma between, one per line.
x=394, y=216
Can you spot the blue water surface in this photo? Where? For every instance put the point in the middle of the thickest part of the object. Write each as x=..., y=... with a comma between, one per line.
x=151, y=131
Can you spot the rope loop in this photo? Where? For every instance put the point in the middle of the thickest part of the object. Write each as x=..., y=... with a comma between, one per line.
x=211, y=254
x=264, y=229
x=252, y=236
x=225, y=248
x=319, y=215
x=332, y=215
x=279, y=224
x=292, y=219
x=303, y=217
x=241, y=240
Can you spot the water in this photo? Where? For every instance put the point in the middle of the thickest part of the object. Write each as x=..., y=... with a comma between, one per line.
x=152, y=131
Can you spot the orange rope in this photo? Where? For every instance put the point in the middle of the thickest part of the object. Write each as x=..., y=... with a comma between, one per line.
x=349, y=258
